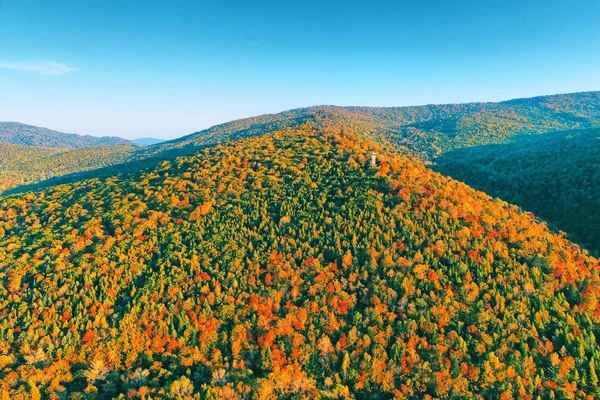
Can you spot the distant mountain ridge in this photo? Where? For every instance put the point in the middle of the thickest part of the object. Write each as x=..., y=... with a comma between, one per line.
x=147, y=141
x=425, y=131
x=29, y=135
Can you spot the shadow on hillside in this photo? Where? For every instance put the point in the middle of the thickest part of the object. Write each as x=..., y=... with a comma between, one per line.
x=554, y=175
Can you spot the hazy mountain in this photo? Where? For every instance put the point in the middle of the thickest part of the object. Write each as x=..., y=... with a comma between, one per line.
x=17, y=133
x=147, y=141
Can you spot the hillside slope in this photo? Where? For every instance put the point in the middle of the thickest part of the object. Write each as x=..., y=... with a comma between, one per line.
x=23, y=165
x=424, y=131
x=556, y=176
x=29, y=135
x=18, y=153
x=286, y=266
x=427, y=130
x=433, y=130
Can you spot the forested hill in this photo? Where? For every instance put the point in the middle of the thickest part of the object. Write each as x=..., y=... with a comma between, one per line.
x=287, y=266
x=17, y=133
x=428, y=130
x=23, y=165
x=436, y=129
x=424, y=131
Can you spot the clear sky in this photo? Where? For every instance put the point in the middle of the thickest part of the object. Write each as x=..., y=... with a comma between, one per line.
x=168, y=68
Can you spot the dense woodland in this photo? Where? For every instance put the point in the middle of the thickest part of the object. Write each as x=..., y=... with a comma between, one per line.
x=18, y=153
x=24, y=165
x=436, y=129
x=288, y=266
x=559, y=186
x=556, y=176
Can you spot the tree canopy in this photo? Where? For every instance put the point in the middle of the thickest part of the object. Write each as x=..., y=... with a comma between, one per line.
x=286, y=265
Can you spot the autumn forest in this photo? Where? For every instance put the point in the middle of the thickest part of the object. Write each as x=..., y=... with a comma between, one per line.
x=309, y=254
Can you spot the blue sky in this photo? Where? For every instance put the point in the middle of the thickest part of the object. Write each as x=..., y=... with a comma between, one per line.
x=168, y=68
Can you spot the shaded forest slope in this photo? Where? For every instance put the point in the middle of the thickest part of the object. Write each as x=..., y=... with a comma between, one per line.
x=556, y=176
